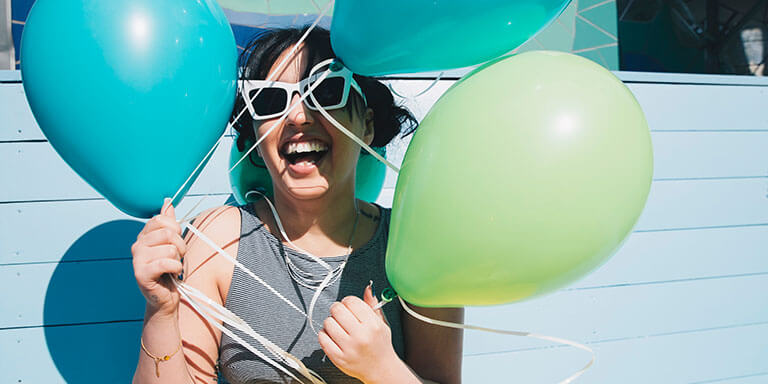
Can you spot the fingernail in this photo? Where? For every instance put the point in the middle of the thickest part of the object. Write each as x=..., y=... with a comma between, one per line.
x=373, y=290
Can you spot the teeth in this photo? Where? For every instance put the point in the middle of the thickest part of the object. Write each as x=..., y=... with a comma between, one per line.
x=306, y=146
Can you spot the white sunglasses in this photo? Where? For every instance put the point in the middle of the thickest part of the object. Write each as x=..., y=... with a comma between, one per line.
x=266, y=99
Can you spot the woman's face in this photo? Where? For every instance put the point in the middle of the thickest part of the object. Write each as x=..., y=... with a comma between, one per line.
x=306, y=155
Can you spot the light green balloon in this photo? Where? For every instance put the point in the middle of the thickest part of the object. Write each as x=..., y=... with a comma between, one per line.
x=276, y=7
x=527, y=174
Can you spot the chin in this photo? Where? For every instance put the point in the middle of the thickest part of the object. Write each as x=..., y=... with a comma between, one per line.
x=307, y=191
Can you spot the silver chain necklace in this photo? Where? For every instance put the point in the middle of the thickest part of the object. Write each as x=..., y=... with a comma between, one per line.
x=313, y=280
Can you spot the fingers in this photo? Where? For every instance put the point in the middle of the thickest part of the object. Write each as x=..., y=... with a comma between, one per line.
x=362, y=311
x=158, y=268
x=166, y=218
x=328, y=345
x=160, y=221
x=345, y=318
x=168, y=210
x=368, y=296
x=335, y=331
x=163, y=236
x=165, y=251
x=371, y=300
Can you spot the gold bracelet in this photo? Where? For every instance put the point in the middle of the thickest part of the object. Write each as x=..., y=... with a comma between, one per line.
x=158, y=359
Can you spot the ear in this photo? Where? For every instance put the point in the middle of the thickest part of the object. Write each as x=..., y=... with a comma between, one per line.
x=370, y=130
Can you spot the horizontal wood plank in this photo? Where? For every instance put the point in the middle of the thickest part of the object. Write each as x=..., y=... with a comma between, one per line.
x=665, y=256
x=734, y=355
x=738, y=353
x=678, y=105
x=690, y=204
x=702, y=107
x=70, y=293
x=620, y=312
x=66, y=293
x=690, y=78
x=672, y=205
x=35, y=168
x=34, y=172
x=18, y=122
x=95, y=353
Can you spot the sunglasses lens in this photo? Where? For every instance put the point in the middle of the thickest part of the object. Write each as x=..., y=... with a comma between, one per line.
x=268, y=101
x=329, y=93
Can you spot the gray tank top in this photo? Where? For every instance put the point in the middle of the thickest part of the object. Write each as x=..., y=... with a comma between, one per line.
x=264, y=254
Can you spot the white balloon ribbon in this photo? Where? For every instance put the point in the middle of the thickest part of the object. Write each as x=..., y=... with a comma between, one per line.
x=217, y=315
x=558, y=340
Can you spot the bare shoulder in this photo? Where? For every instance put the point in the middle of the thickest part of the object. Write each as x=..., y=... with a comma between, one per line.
x=210, y=273
x=221, y=226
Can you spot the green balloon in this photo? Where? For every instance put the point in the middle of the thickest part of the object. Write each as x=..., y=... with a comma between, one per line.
x=527, y=174
x=279, y=7
x=251, y=174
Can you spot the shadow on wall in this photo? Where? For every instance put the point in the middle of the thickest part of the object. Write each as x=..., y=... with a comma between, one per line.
x=93, y=308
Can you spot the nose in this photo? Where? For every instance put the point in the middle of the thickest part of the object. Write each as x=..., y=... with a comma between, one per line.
x=300, y=115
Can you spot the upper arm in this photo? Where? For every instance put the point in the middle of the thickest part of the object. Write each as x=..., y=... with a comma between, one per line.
x=210, y=273
x=432, y=351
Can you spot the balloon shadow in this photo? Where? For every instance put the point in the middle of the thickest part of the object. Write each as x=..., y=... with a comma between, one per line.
x=93, y=308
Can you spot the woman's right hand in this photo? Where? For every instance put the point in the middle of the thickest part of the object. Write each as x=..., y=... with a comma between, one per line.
x=157, y=253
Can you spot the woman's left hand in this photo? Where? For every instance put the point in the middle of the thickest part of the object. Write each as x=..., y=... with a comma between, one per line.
x=358, y=340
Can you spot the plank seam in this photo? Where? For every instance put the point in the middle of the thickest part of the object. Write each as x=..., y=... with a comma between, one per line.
x=689, y=279
x=687, y=83
x=70, y=325
x=693, y=83
x=64, y=261
x=98, y=198
x=710, y=130
x=618, y=339
x=710, y=178
x=730, y=378
x=701, y=228
x=23, y=141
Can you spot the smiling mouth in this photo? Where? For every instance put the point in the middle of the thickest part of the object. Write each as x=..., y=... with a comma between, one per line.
x=312, y=151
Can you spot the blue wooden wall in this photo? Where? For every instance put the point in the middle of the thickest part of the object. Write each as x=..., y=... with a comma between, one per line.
x=684, y=301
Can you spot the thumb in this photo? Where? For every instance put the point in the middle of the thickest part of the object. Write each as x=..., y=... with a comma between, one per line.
x=371, y=300
x=168, y=209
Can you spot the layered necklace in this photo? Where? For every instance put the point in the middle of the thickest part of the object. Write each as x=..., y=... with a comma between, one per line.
x=313, y=280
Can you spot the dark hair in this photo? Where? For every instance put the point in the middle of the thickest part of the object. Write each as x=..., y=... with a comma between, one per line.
x=264, y=49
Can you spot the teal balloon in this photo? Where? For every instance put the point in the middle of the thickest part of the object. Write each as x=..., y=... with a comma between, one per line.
x=419, y=35
x=526, y=175
x=131, y=93
x=252, y=175
x=370, y=175
x=279, y=7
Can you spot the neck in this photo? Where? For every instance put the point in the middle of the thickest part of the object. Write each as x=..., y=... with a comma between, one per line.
x=329, y=217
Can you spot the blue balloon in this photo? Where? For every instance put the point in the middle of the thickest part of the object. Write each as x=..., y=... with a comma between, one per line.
x=131, y=93
x=404, y=36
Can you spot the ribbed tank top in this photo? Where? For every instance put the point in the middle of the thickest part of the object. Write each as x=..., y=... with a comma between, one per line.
x=264, y=254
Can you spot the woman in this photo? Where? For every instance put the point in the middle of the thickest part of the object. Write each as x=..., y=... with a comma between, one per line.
x=312, y=165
